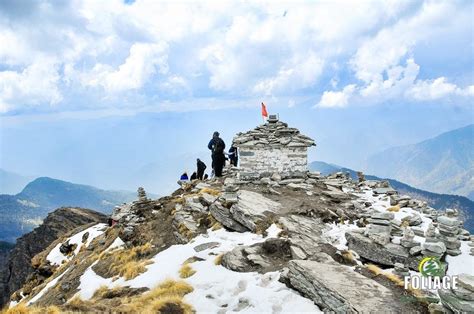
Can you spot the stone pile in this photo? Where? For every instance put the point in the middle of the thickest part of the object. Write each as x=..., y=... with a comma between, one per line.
x=461, y=299
x=141, y=194
x=432, y=246
x=471, y=245
x=276, y=134
x=401, y=270
x=408, y=242
x=448, y=228
x=379, y=227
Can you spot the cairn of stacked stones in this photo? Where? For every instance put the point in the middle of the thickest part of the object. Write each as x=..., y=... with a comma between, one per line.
x=461, y=299
x=448, y=228
x=360, y=176
x=230, y=191
x=407, y=241
x=141, y=194
x=272, y=147
x=379, y=227
x=432, y=246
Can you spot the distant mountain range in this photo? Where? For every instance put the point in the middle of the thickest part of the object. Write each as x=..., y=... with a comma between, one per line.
x=12, y=183
x=24, y=211
x=435, y=200
x=443, y=164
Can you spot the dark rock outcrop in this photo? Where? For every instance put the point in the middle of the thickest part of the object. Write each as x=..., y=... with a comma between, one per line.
x=387, y=255
x=14, y=273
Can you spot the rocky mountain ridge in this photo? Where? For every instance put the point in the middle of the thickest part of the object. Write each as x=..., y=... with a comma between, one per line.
x=303, y=242
x=18, y=266
x=24, y=211
x=435, y=200
x=442, y=164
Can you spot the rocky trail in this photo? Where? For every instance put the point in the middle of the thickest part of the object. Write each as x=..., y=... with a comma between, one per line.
x=293, y=244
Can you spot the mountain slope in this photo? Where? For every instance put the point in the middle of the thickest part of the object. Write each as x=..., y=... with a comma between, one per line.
x=22, y=212
x=436, y=200
x=16, y=270
x=12, y=183
x=443, y=164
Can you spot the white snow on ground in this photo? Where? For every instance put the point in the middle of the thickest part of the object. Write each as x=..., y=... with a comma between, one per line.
x=55, y=257
x=336, y=234
x=214, y=285
x=45, y=289
x=116, y=244
x=463, y=263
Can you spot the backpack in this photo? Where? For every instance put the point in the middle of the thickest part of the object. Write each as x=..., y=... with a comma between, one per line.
x=219, y=146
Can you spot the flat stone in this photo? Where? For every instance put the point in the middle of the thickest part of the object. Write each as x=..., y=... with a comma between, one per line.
x=453, y=252
x=388, y=254
x=436, y=247
x=379, y=221
x=463, y=293
x=415, y=250
x=466, y=281
x=223, y=215
x=449, y=299
x=338, y=289
x=383, y=215
x=448, y=221
x=205, y=246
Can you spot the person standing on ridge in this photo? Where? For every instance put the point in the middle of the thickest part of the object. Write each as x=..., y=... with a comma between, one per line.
x=234, y=158
x=200, y=169
x=217, y=146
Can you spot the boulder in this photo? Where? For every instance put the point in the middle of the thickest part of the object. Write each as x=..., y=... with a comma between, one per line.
x=454, y=303
x=304, y=233
x=223, y=215
x=388, y=254
x=253, y=209
x=338, y=289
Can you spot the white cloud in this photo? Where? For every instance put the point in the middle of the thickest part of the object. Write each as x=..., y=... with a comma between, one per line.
x=151, y=50
x=301, y=72
x=35, y=85
x=332, y=99
x=380, y=67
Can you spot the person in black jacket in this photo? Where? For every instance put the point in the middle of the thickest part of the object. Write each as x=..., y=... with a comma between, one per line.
x=217, y=146
x=200, y=169
x=193, y=176
x=234, y=158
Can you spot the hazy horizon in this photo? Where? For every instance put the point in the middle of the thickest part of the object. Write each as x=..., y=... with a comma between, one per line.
x=118, y=94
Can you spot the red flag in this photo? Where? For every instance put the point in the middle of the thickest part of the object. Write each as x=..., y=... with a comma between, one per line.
x=264, y=111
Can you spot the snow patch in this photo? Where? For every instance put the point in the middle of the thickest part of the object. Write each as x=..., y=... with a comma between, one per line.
x=215, y=287
x=55, y=257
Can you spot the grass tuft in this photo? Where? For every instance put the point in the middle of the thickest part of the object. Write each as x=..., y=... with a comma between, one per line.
x=210, y=191
x=218, y=259
x=129, y=263
x=23, y=309
x=165, y=298
x=394, y=209
x=186, y=271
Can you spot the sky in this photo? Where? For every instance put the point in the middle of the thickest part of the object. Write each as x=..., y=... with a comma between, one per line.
x=125, y=93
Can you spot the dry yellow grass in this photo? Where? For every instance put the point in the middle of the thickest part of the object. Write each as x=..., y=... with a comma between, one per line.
x=165, y=298
x=349, y=256
x=394, y=209
x=23, y=309
x=129, y=263
x=184, y=231
x=395, y=279
x=210, y=191
x=218, y=259
x=186, y=271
